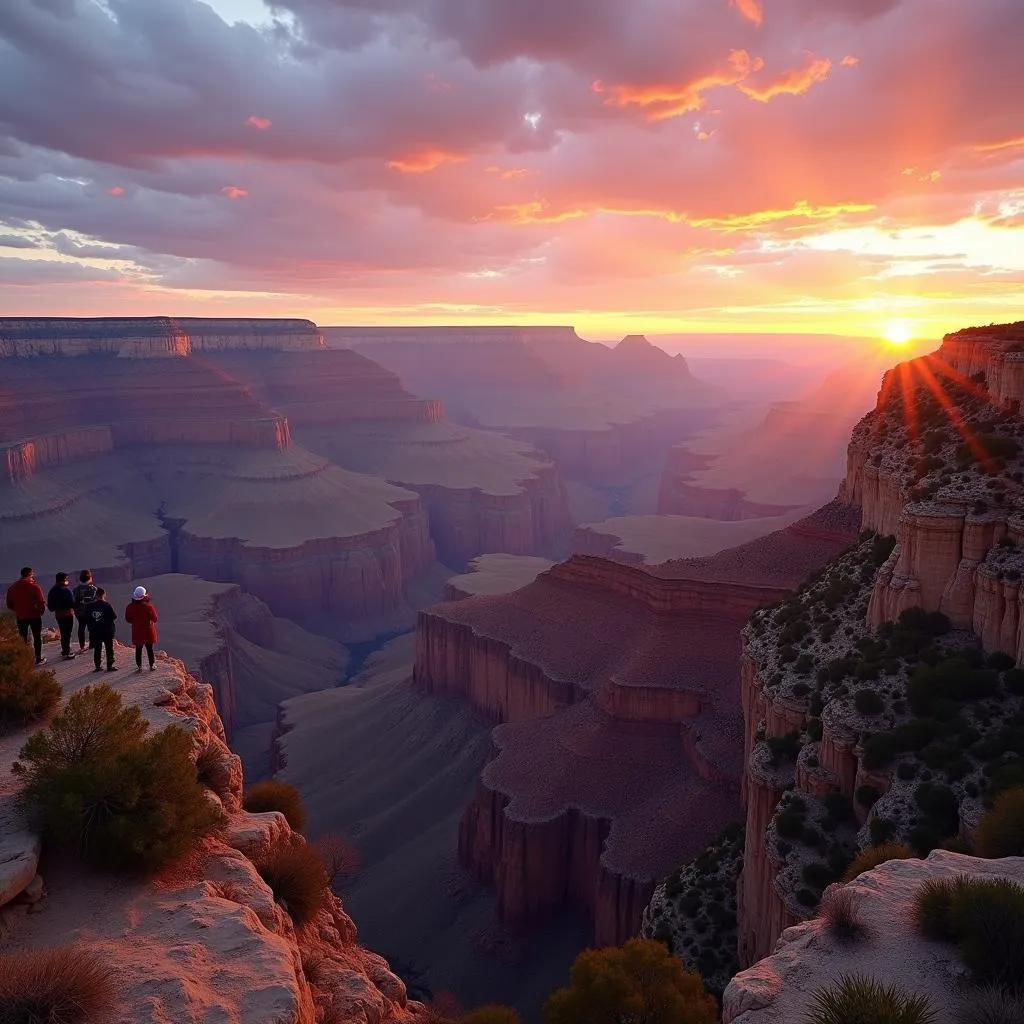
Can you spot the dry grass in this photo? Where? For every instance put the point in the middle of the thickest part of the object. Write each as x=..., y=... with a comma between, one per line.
x=339, y=857
x=298, y=879
x=875, y=855
x=993, y=1006
x=213, y=768
x=274, y=795
x=57, y=986
x=841, y=915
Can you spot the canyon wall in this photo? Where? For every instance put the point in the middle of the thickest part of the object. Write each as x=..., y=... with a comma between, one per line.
x=246, y=960
x=937, y=468
x=614, y=692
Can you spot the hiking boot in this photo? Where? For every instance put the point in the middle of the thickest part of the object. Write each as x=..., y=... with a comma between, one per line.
x=69, y=656
x=40, y=661
x=152, y=668
x=112, y=668
x=97, y=669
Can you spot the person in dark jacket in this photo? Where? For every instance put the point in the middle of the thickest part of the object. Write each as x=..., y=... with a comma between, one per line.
x=84, y=594
x=141, y=613
x=61, y=601
x=101, y=629
x=25, y=599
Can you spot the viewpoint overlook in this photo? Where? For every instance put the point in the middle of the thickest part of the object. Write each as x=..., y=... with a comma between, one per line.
x=509, y=644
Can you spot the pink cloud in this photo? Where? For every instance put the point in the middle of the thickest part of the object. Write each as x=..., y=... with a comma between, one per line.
x=234, y=192
x=752, y=10
x=794, y=82
x=115, y=190
x=262, y=123
x=423, y=161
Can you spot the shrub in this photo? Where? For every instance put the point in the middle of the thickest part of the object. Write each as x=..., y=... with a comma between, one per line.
x=1001, y=831
x=27, y=692
x=933, y=907
x=339, y=858
x=867, y=795
x=881, y=830
x=214, y=768
x=841, y=915
x=988, y=917
x=101, y=786
x=638, y=981
x=881, y=748
x=807, y=897
x=814, y=729
x=906, y=771
x=858, y=998
x=940, y=805
x=867, y=702
x=992, y=1005
x=870, y=858
x=784, y=748
x=274, y=795
x=1000, y=662
x=491, y=1015
x=297, y=877
x=56, y=986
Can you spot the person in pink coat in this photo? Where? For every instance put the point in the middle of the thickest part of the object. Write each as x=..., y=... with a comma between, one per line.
x=141, y=615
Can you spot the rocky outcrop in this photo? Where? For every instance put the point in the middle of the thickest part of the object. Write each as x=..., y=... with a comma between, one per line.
x=808, y=959
x=495, y=574
x=826, y=686
x=679, y=498
x=25, y=458
x=616, y=691
x=149, y=337
x=207, y=937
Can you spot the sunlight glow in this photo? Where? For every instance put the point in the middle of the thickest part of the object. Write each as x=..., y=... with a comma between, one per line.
x=898, y=332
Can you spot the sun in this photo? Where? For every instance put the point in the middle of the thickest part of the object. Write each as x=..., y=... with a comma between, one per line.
x=899, y=332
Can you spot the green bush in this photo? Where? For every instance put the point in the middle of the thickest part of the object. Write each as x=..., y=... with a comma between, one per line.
x=100, y=785
x=858, y=999
x=1001, y=831
x=870, y=858
x=868, y=702
x=274, y=795
x=27, y=692
x=838, y=806
x=881, y=830
x=881, y=748
x=297, y=877
x=867, y=795
x=988, y=917
x=933, y=907
x=940, y=805
x=789, y=824
x=1000, y=661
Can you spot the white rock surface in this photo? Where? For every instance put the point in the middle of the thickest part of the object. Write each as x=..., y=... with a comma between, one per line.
x=778, y=989
x=19, y=859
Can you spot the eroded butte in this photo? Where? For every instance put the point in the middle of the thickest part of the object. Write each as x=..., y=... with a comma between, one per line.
x=619, y=739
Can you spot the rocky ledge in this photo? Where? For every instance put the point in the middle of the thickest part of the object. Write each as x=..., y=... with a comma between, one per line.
x=808, y=958
x=205, y=939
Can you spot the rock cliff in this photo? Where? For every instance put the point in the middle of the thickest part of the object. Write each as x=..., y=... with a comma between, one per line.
x=808, y=959
x=621, y=683
x=853, y=734
x=203, y=940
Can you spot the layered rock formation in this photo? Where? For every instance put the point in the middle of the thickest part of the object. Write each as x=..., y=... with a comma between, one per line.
x=937, y=466
x=808, y=959
x=605, y=415
x=204, y=939
x=495, y=574
x=616, y=691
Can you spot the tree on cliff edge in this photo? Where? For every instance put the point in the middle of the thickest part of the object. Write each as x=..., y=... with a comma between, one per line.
x=638, y=983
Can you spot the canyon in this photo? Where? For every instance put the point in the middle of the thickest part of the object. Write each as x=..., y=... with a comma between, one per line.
x=934, y=473
x=144, y=446
x=614, y=695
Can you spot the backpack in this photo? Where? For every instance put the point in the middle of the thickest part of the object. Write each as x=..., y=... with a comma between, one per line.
x=85, y=593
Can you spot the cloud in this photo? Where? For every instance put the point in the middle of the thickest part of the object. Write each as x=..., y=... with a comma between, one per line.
x=423, y=161
x=262, y=123
x=793, y=82
x=752, y=10
x=234, y=192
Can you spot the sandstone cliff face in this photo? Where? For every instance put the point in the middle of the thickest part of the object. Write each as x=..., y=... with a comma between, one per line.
x=936, y=466
x=807, y=958
x=615, y=691
x=207, y=938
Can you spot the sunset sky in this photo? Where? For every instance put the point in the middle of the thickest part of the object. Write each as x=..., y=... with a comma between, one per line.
x=853, y=166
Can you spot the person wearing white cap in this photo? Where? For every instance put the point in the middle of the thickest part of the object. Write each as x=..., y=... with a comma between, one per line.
x=142, y=616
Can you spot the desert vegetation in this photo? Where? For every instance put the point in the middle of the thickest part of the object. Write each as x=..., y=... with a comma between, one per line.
x=56, y=986
x=274, y=795
x=28, y=693
x=856, y=998
x=297, y=877
x=693, y=912
x=101, y=785
x=1001, y=831
x=870, y=858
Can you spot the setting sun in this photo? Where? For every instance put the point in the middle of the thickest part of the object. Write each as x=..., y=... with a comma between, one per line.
x=897, y=333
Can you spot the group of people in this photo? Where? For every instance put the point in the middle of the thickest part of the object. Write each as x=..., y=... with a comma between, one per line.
x=88, y=605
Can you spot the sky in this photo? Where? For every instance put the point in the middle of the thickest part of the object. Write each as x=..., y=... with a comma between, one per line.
x=845, y=166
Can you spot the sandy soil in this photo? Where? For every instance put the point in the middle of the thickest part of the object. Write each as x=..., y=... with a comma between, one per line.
x=660, y=538
x=402, y=768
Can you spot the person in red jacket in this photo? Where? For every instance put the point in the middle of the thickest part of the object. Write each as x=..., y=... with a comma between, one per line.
x=25, y=598
x=141, y=615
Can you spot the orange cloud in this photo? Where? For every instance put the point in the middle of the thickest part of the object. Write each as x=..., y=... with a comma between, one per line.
x=234, y=192
x=534, y=213
x=794, y=82
x=263, y=123
x=663, y=101
x=423, y=161
x=115, y=191
x=514, y=173
x=801, y=210
x=1001, y=147
x=752, y=10
x=849, y=61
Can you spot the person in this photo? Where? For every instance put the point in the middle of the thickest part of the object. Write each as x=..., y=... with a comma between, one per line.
x=141, y=613
x=25, y=599
x=61, y=601
x=84, y=594
x=101, y=629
